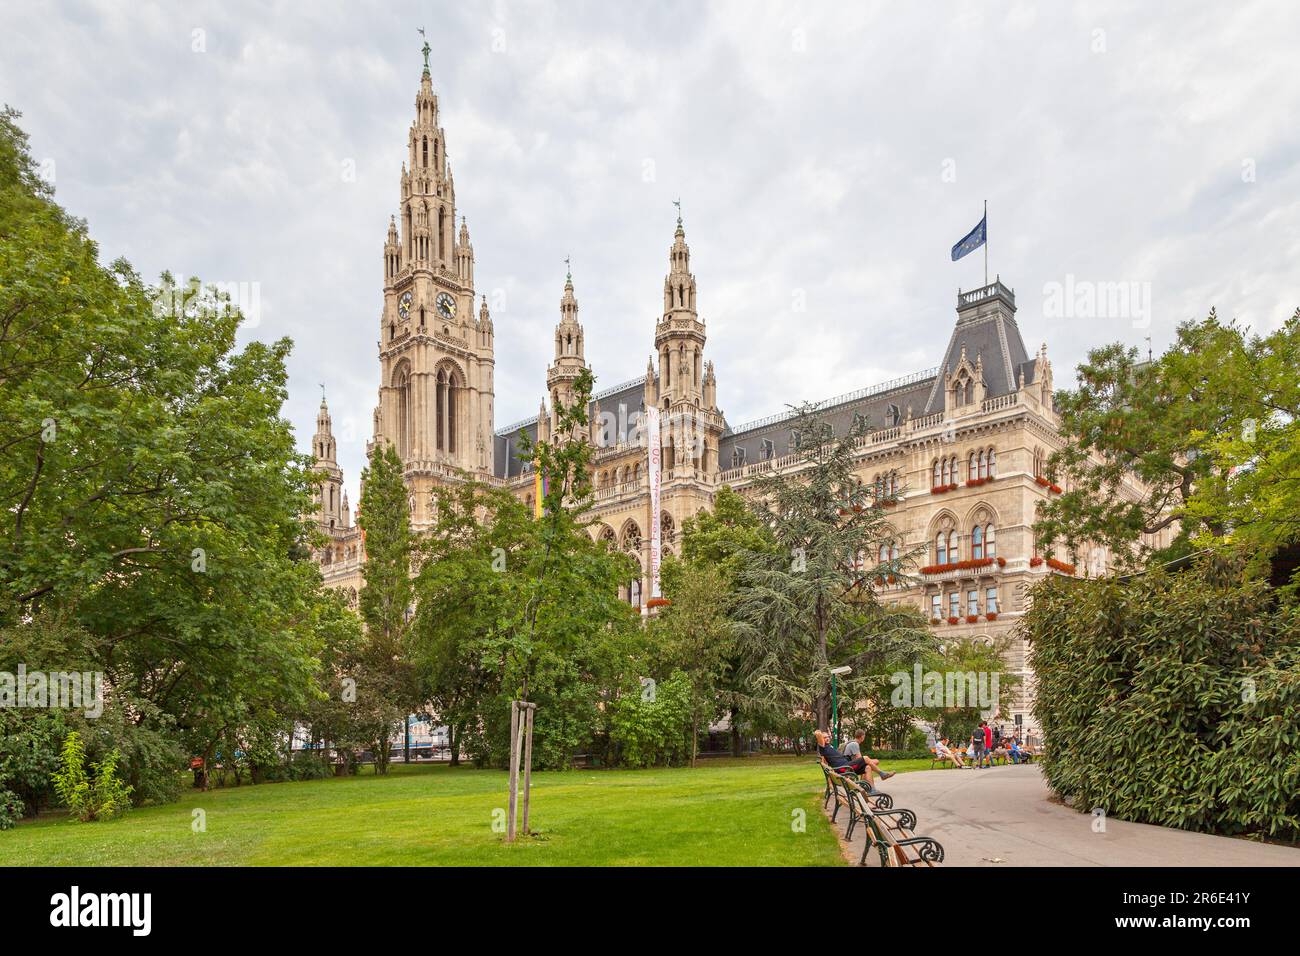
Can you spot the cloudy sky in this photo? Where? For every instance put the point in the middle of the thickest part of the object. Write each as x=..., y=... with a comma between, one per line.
x=827, y=156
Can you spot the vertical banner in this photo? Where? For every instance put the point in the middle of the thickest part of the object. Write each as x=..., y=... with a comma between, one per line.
x=656, y=531
x=539, y=488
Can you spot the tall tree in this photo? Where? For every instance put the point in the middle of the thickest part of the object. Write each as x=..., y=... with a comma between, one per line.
x=386, y=690
x=809, y=605
x=149, y=489
x=702, y=586
x=1157, y=421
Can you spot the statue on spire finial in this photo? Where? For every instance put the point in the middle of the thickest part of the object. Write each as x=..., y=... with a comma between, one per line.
x=568, y=270
x=678, y=204
x=322, y=393
x=424, y=49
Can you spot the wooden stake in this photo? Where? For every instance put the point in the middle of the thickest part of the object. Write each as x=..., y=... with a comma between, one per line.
x=528, y=762
x=514, y=771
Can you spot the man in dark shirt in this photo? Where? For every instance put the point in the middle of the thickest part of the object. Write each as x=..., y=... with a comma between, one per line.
x=835, y=760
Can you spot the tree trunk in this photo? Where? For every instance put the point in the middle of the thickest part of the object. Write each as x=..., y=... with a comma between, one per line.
x=451, y=742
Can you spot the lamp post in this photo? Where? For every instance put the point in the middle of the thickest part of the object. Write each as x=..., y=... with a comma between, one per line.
x=835, y=712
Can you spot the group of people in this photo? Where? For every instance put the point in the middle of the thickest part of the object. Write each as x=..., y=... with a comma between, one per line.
x=852, y=758
x=985, y=743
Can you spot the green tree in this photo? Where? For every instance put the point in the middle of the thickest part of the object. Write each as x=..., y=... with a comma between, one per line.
x=151, y=493
x=695, y=636
x=1156, y=421
x=809, y=605
x=385, y=682
x=1249, y=500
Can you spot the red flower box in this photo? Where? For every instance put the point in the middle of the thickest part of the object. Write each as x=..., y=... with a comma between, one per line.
x=1002, y=562
x=991, y=616
x=1035, y=562
x=1041, y=480
x=1054, y=489
x=953, y=620
x=936, y=620
x=1060, y=566
x=658, y=602
x=975, y=482
x=967, y=565
x=972, y=618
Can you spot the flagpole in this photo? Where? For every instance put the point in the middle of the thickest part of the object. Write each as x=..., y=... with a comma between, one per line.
x=986, y=242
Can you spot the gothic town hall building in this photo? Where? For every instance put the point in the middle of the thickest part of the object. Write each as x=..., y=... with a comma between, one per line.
x=963, y=444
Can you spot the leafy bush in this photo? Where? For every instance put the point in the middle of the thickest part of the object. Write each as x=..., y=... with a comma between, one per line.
x=29, y=753
x=306, y=765
x=647, y=732
x=97, y=796
x=1171, y=698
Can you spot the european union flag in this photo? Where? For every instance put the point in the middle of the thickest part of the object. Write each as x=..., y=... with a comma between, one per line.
x=974, y=239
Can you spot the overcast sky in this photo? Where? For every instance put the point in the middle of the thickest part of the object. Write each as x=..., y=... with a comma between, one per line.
x=827, y=157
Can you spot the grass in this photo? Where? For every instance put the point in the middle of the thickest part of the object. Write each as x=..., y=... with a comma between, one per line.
x=726, y=812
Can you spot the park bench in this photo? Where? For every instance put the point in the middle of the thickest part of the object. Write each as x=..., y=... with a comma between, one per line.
x=862, y=805
x=837, y=787
x=941, y=761
x=897, y=850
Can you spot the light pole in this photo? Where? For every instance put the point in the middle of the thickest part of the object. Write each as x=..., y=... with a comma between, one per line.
x=835, y=712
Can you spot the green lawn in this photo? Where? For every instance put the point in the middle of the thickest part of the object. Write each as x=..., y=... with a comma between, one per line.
x=725, y=812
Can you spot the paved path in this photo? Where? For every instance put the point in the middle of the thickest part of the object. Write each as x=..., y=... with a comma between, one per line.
x=1002, y=817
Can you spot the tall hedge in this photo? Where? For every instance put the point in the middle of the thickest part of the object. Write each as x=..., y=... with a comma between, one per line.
x=1171, y=698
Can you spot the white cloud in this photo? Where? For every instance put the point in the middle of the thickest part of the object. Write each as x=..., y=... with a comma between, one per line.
x=807, y=143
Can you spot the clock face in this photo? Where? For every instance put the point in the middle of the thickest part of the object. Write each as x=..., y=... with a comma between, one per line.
x=446, y=305
x=404, y=305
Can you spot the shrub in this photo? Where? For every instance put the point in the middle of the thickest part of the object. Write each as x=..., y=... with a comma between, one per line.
x=1171, y=699
x=97, y=796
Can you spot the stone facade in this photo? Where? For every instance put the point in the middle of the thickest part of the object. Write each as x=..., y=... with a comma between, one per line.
x=962, y=445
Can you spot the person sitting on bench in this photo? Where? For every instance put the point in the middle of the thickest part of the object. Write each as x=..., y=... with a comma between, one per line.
x=944, y=752
x=862, y=766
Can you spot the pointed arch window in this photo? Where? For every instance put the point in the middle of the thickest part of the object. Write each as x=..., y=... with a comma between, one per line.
x=954, y=547
x=984, y=464
x=936, y=482
x=977, y=542
x=993, y=463
x=402, y=383
x=941, y=548
x=445, y=418
x=990, y=541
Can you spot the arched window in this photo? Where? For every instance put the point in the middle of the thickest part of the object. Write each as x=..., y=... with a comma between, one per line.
x=941, y=548
x=990, y=541
x=947, y=473
x=984, y=464
x=424, y=155
x=402, y=383
x=977, y=542
x=634, y=592
x=993, y=463
x=936, y=482
x=954, y=549
x=445, y=415
x=971, y=467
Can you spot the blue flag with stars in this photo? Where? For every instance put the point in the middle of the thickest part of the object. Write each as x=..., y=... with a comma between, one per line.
x=974, y=239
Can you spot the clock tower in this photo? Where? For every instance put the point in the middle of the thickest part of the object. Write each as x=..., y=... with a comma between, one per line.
x=435, y=349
